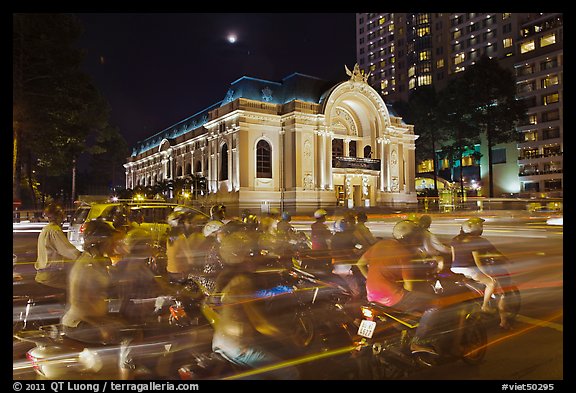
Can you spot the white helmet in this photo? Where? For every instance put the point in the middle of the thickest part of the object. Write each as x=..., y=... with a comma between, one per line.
x=320, y=213
x=212, y=227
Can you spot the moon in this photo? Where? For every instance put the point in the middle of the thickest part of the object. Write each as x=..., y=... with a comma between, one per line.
x=231, y=38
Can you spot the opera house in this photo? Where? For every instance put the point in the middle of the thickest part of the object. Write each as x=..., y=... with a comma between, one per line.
x=294, y=145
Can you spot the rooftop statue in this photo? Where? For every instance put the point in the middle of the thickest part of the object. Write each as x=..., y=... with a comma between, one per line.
x=357, y=75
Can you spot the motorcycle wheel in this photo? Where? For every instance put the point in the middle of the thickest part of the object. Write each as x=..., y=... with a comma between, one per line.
x=376, y=367
x=474, y=341
x=513, y=303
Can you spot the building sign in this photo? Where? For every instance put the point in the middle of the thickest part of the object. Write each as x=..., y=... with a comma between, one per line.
x=356, y=163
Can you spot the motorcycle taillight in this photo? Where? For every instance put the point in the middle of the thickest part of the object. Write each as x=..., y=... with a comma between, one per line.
x=35, y=364
x=177, y=312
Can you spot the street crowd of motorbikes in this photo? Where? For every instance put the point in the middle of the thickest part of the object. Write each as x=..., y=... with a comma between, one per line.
x=339, y=336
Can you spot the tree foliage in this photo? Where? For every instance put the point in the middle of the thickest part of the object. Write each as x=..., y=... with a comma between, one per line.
x=56, y=106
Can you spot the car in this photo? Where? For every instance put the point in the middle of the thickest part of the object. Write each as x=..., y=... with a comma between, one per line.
x=558, y=220
x=153, y=214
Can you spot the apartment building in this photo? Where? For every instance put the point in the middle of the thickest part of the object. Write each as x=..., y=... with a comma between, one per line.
x=403, y=51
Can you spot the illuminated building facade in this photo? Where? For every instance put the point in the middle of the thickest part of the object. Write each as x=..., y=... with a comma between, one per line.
x=403, y=51
x=294, y=145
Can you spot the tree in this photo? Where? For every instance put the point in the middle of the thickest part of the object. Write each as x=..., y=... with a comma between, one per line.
x=494, y=107
x=423, y=110
x=55, y=105
x=455, y=122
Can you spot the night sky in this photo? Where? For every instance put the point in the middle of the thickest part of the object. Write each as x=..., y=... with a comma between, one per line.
x=156, y=69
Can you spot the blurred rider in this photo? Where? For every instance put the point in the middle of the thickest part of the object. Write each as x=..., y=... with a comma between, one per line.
x=89, y=287
x=470, y=254
x=431, y=244
x=218, y=212
x=320, y=234
x=55, y=253
x=362, y=233
x=390, y=280
x=245, y=334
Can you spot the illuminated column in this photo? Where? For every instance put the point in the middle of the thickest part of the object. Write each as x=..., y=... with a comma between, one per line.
x=322, y=157
x=346, y=147
x=410, y=169
x=329, y=162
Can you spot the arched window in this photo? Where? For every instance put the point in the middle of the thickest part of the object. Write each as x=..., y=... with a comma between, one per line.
x=224, y=162
x=198, y=166
x=352, y=149
x=367, y=151
x=179, y=171
x=263, y=160
x=188, y=169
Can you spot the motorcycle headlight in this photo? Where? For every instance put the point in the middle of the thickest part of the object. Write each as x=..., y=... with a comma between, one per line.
x=90, y=360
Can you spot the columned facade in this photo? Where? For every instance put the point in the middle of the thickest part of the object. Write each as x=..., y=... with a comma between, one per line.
x=295, y=145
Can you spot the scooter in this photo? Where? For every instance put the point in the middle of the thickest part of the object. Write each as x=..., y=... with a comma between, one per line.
x=148, y=351
x=382, y=345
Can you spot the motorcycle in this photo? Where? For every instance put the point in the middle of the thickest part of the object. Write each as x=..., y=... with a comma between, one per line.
x=149, y=350
x=382, y=346
x=313, y=310
x=508, y=289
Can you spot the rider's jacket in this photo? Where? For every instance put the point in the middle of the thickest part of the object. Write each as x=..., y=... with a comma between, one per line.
x=463, y=245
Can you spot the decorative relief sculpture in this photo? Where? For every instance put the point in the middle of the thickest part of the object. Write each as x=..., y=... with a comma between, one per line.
x=395, y=187
x=308, y=183
x=266, y=94
x=393, y=158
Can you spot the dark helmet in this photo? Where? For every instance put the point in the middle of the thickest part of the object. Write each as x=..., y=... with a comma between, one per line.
x=361, y=217
x=96, y=232
x=54, y=212
x=424, y=221
x=286, y=216
x=473, y=226
x=251, y=221
x=218, y=211
x=342, y=225
x=120, y=218
x=406, y=231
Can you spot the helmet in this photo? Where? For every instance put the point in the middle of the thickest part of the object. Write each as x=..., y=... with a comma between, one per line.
x=175, y=217
x=212, y=227
x=218, y=211
x=473, y=226
x=362, y=217
x=96, y=232
x=424, y=221
x=120, y=218
x=320, y=213
x=342, y=225
x=286, y=216
x=406, y=231
x=251, y=221
x=412, y=217
x=54, y=212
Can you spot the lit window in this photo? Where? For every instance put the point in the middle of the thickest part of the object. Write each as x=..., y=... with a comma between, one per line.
x=550, y=99
x=459, y=58
x=412, y=83
x=440, y=63
x=548, y=40
x=527, y=46
x=424, y=55
x=551, y=80
x=411, y=71
x=507, y=42
x=263, y=160
x=424, y=80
